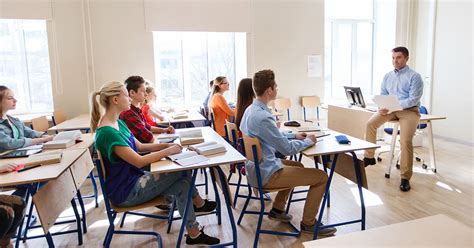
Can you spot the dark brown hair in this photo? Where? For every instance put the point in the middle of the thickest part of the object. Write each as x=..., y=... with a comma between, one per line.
x=245, y=96
x=133, y=83
x=402, y=50
x=262, y=80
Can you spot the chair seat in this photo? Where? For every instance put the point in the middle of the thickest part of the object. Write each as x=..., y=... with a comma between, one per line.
x=157, y=201
x=389, y=130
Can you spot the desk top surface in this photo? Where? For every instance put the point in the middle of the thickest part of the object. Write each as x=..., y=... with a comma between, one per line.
x=423, y=117
x=230, y=156
x=433, y=231
x=191, y=116
x=42, y=173
x=79, y=122
x=328, y=145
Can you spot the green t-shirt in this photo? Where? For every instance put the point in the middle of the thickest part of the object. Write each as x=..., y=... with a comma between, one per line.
x=16, y=132
x=121, y=177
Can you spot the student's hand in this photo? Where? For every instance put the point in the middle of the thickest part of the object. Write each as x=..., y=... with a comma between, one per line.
x=47, y=138
x=383, y=111
x=174, y=149
x=7, y=167
x=301, y=136
x=170, y=129
x=312, y=137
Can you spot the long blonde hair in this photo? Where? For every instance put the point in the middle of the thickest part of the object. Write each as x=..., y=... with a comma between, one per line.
x=3, y=89
x=106, y=92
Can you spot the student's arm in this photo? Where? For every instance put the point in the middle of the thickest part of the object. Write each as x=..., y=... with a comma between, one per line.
x=129, y=155
x=141, y=147
x=222, y=104
x=169, y=129
x=9, y=143
x=269, y=133
x=30, y=133
x=415, y=92
x=7, y=167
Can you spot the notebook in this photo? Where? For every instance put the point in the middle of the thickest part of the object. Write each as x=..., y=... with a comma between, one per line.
x=19, y=153
x=63, y=140
x=187, y=158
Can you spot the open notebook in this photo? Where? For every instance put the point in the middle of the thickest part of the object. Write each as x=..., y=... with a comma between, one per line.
x=187, y=158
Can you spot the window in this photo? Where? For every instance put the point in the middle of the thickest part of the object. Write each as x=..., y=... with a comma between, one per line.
x=359, y=37
x=24, y=64
x=185, y=62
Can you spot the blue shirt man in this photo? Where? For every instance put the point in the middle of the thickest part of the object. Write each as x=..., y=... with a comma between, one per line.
x=404, y=83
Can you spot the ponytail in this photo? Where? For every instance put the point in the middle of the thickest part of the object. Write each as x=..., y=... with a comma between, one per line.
x=95, y=112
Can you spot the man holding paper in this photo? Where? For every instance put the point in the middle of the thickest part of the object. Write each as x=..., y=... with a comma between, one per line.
x=407, y=86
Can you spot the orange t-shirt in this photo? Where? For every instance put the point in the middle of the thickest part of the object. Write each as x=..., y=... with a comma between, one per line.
x=146, y=112
x=222, y=112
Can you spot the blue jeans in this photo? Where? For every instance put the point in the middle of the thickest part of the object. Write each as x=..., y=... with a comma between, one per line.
x=150, y=186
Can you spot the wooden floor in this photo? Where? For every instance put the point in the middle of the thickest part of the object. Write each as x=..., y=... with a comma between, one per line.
x=449, y=192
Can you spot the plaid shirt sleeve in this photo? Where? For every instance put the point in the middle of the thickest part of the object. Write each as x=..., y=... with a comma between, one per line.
x=139, y=128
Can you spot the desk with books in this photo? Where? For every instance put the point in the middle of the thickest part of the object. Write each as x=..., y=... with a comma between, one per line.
x=61, y=182
x=214, y=161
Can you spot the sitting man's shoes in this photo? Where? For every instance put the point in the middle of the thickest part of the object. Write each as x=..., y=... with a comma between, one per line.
x=208, y=207
x=279, y=215
x=322, y=231
x=405, y=185
x=369, y=161
x=202, y=239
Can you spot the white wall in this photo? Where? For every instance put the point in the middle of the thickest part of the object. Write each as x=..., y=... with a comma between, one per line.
x=453, y=67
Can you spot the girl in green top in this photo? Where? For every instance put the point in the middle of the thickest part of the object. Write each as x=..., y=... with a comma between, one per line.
x=127, y=183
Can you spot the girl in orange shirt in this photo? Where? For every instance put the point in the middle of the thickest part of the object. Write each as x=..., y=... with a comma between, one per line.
x=218, y=104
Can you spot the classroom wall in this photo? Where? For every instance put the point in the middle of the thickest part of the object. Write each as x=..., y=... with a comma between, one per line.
x=453, y=71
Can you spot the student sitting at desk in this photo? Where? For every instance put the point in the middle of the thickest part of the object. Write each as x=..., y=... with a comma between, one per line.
x=13, y=133
x=147, y=108
x=218, y=104
x=258, y=122
x=127, y=183
x=134, y=117
x=407, y=85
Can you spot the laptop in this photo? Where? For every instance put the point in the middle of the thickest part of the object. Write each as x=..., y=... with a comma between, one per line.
x=20, y=153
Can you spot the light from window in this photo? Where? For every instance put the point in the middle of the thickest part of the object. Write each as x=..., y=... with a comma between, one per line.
x=24, y=64
x=185, y=62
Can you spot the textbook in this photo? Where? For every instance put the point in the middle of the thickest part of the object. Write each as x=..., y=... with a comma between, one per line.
x=166, y=137
x=190, y=137
x=63, y=140
x=43, y=159
x=208, y=148
x=181, y=115
x=187, y=158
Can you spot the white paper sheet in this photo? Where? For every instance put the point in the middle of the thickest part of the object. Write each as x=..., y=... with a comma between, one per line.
x=389, y=102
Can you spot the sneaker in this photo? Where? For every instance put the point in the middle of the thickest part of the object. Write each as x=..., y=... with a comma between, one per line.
x=322, y=232
x=202, y=240
x=208, y=207
x=279, y=215
x=369, y=161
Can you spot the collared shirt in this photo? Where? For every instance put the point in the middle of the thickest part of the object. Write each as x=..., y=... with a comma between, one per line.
x=258, y=122
x=406, y=84
x=136, y=122
x=7, y=139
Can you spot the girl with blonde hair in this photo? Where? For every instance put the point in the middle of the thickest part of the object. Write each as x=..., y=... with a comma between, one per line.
x=127, y=183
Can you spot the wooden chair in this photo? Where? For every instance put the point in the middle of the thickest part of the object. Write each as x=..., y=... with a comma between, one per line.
x=40, y=124
x=282, y=104
x=58, y=117
x=310, y=102
x=253, y=152
x=112, y=210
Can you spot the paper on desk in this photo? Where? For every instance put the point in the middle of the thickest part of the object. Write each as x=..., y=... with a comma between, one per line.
x=389, y=102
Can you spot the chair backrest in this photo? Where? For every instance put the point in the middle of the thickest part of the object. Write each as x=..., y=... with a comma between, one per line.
x=424, y=111
x=40, y=124
x=213, y=123
x=102, y=179
x=252, y=148
x=232, y=132
x=283, y=104
x=58, y=117
x=310, y=101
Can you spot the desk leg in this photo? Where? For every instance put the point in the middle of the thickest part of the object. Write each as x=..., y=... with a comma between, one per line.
x=186, y=209
x=325, y=198
x=430, y=139
x=229, y=208
x=392, y=151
